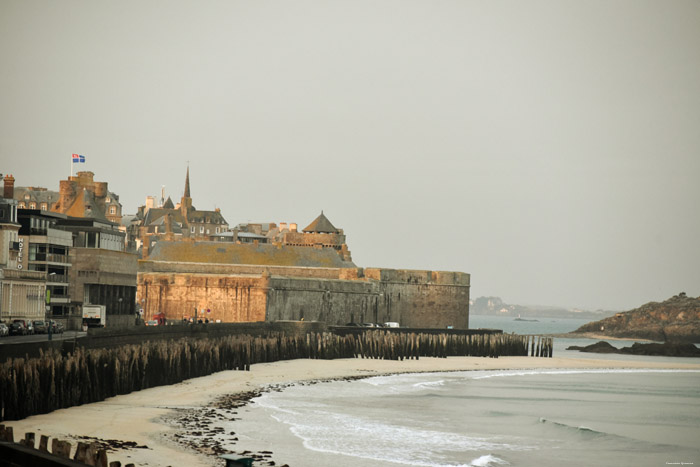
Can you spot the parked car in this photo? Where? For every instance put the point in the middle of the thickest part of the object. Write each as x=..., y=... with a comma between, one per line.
x=4, y=330
x=40, y=327
x=17, y=328
x=26, y=324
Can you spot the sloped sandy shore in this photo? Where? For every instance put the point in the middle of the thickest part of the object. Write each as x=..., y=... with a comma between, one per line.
x=138, y=417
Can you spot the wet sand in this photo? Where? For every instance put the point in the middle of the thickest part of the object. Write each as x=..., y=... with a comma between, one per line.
x=144, y=419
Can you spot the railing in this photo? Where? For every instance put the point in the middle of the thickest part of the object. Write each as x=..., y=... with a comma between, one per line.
x=62, y=278
x=50, y=257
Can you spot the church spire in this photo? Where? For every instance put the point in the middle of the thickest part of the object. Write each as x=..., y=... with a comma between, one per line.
x=187, y=183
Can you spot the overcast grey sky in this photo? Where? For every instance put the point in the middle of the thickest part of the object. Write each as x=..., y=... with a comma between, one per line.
x=549, y=148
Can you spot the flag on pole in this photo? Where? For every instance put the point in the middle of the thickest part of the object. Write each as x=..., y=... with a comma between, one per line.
x=77, y=158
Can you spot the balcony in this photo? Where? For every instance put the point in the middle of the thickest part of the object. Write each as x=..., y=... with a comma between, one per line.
x=56, y=278
x=50, y=258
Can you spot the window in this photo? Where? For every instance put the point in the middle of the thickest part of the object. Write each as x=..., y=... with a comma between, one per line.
x=192, y=229
x=107, y=200
x=26, y=196
x=201, y=229
x=21, y=205
x=32, y=205
x=217, y=230
x=44, y=206
x=207, y=231
x=112, y=209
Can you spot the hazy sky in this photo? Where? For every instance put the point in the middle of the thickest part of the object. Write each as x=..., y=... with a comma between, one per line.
x=549, y=148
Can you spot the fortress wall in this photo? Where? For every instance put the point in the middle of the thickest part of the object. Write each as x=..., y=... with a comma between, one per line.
x=313, y=238
x=235, y=293
x=146, y=266
x=229, y=298
x=425, y=305
x=334, y=302
x=420, y=298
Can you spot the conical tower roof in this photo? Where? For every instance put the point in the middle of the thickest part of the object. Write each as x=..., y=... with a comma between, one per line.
x=187, y=183
x=321, y=225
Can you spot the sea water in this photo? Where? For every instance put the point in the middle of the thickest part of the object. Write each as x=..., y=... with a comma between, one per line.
x=484, y=418
x=542, y=417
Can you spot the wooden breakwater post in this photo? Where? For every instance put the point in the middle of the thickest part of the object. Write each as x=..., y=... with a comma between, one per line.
x=540, y=346
x=53, y=380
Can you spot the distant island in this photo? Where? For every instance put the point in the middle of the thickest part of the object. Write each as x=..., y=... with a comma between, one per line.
x=674, y=320
x=494, y=306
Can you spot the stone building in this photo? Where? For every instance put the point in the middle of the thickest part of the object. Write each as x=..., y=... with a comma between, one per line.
x=82, y=196
x=181, y=222
x=78, y=196
x=320, y=233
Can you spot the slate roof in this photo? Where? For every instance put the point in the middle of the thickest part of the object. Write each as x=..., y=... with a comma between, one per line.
x=321, y=225
x=39, y=196
x=168, y=204
x=247, y=253
x=154, y=214
x=214, y=217
x=85, y=205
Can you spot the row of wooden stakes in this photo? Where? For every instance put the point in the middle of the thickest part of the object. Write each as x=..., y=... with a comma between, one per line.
x=54, y=381
x=85, y=453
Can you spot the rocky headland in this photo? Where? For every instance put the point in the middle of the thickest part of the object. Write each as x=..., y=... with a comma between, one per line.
x=667, y=349
x=674, y=320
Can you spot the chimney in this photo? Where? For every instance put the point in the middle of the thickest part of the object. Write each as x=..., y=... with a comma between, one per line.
x=293, y=227
x=9, y=191
x=283, y=226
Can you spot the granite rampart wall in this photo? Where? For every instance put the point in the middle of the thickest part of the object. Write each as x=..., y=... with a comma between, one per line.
x=335, y=302
x=238, y=293
x=222, y=297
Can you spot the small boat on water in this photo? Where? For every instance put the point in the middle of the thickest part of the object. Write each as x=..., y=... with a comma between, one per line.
x=524, y=319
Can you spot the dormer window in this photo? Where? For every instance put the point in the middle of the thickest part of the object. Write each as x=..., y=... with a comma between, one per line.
x=44, y=206
x=32, y=205
x=108, y=199
x=26, y=196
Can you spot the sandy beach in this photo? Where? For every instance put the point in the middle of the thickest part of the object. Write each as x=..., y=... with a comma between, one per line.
x=137, y=417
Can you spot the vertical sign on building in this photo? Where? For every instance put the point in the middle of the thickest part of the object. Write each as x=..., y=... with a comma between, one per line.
x=20, y=256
